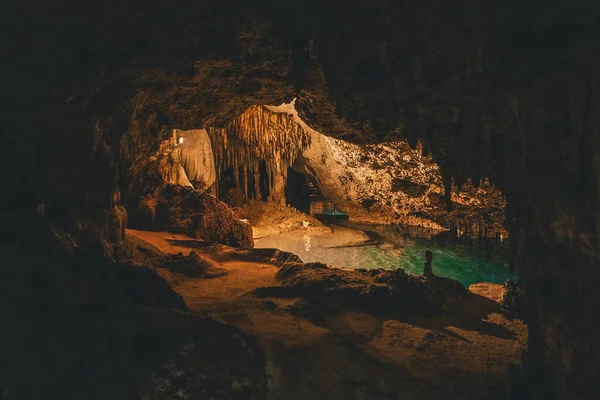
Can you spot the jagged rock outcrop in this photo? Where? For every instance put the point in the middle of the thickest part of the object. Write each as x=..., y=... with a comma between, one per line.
x=276, y=257
x=192, y=212
x=380, y=291
x=391, y=182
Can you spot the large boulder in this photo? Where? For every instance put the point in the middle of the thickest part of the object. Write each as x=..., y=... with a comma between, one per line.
x=194, y=213
x=377, y=290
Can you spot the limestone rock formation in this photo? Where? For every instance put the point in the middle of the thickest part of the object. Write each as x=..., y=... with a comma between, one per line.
x=275, y=257
x=380, y=291
x=392, y=182
x=195, y=213
x=116, y=222
x=506, y=90
x=196, y=156
x=185, y=159
x=257, y=148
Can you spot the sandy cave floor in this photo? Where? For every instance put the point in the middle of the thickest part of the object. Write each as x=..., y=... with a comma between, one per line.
x=352, y=355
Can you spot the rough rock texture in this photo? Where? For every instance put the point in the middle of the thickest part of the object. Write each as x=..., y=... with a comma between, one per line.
x=116, y=222
x=392, y=182
x=269, y=218
x=512, y=301
x=377, y=290
x=505, y=89
x=195, y=213
x=189, y=163
x=492, y=291
x=76, y=325
x=272, y=256
x=193, y=265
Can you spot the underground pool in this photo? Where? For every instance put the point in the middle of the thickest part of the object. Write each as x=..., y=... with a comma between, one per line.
x=354, y=249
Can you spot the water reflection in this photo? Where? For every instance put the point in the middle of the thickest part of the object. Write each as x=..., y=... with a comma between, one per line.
x=391, y=248
x=307, y=242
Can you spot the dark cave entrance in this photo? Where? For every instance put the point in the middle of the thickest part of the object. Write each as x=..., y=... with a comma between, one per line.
x=226, y=184
x=264, y=182
x=236, y=189
x=296, y=191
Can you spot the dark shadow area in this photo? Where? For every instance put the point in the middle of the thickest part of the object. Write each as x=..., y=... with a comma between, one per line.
x=469, y=315
x=296, y=191
x=352, y=335
x=366, y=243
x=320, y=304
x=339, y=363
x=264, y=181
x=190, y=243
x=77, y=325
x=251, y=186
x=225, y=184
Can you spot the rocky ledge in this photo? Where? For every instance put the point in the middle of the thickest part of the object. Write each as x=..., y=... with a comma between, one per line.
x=375, y=291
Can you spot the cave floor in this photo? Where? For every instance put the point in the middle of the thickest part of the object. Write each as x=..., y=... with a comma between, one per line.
x=354, y=355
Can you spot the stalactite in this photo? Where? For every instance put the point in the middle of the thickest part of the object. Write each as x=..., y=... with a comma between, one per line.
x=258, y=135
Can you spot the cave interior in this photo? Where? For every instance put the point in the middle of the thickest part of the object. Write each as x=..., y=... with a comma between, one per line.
x=481, y=118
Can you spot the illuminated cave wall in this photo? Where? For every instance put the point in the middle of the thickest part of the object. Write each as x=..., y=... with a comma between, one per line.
x=185, y=159
x=196, y=157
x=382, y=183
x=257, y=147
x=392, y=182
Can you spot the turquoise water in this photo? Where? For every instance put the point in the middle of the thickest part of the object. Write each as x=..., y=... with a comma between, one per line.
x=334, y=213
x=348, y=248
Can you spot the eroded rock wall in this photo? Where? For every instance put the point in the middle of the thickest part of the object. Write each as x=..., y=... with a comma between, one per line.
x=392, y=182
x=499, y=89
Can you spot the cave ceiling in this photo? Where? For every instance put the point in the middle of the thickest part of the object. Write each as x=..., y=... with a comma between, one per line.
x=457, y=76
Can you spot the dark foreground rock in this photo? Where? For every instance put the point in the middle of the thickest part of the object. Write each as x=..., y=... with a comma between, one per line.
x=77, y=325
x=275, y=257
x=193, y=265
x=379, y=290
x=512, y=300
x=194, y=213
